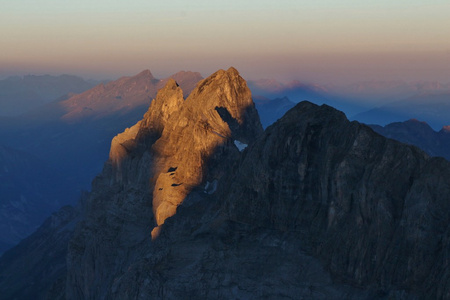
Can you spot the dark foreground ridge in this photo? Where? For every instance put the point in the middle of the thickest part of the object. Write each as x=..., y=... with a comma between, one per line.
x=315, y=207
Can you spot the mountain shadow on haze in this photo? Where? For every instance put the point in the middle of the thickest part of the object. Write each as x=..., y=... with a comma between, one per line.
x=429, y=107
x=271, y=110
x=297, y=91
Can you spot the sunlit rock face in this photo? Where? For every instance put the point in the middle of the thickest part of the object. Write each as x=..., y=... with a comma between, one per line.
x=179, y=146
x=196, y=141
x=190, y=136
x=143, y=134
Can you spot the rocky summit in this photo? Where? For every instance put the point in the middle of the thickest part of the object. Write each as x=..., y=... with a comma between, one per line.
x=196, y=201
x=179, y=146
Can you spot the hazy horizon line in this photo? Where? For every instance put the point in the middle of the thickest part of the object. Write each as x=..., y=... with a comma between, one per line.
x=101, y=76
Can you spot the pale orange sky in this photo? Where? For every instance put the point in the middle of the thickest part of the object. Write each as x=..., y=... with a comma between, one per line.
x=320, y=40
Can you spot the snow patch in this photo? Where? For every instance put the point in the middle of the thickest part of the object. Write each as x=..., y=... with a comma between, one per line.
x=240, y=146
x=211, y=187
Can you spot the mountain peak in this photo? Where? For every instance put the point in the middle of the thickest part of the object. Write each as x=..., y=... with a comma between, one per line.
x=315, y=112
x=186, y=79
x=446, y=129
x=229, y=74
x=218, y=112
x=186, y=74
x=146, y=74
x=233, y=71
x=415, y=121
x=171, y=84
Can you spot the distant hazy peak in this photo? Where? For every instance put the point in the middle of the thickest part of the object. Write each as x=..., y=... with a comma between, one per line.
x=221, y=76
x=445, y=129
x=172, y=84
x=186, y=79
x=416, y=121
x=145, y=73
x=411, y=123
x=232, y=70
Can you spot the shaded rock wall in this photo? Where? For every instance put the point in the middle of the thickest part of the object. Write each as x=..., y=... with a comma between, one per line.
x=373, y=210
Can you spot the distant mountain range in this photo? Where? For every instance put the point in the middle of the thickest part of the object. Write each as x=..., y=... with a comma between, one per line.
x=196, y=201
x=22, y=94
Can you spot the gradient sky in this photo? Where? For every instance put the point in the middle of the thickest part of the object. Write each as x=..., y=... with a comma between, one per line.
x=320, y=41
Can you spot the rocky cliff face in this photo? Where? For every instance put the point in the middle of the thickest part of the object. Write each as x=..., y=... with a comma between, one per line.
x=315, y=207
x=179, y=146
x=374, y=211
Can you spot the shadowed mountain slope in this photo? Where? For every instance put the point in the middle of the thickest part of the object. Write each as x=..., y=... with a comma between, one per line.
x=25, y=194
x=373, y=210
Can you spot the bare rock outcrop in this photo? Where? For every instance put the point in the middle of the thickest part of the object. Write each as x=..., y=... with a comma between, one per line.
x=373, y=210
x=179, y=146
x=219, y=111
